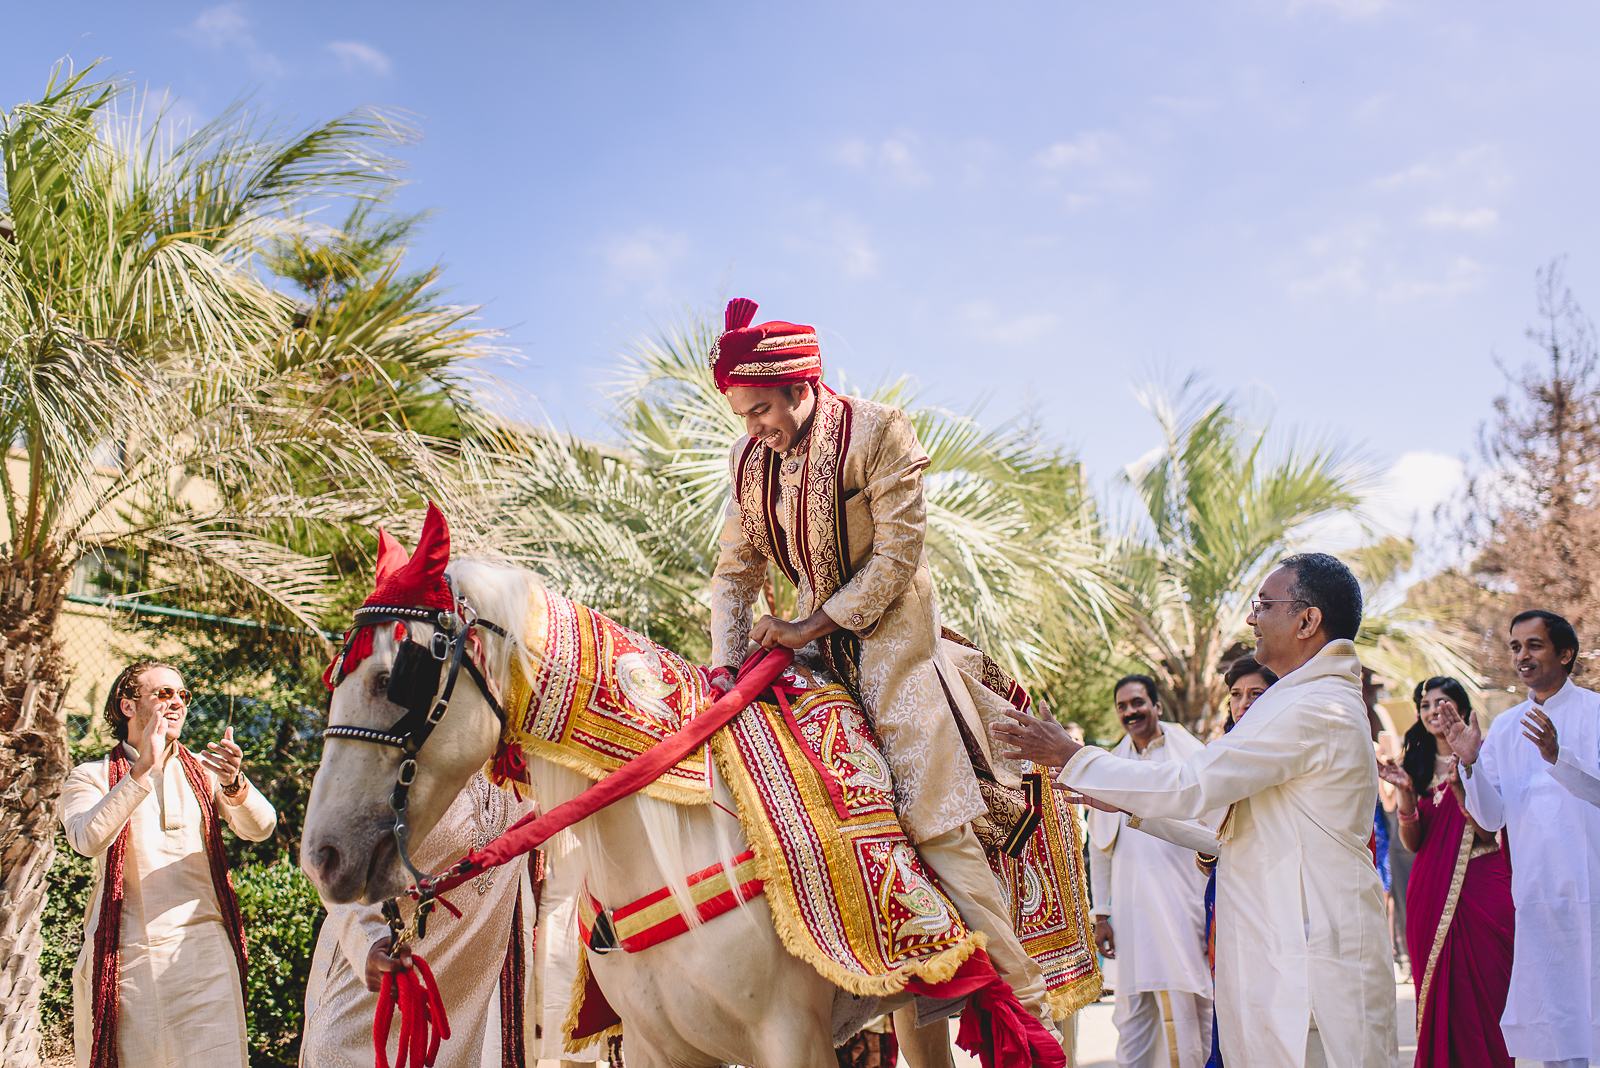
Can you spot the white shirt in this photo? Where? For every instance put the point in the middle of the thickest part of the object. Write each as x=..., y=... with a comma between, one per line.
x=1302, y=928
x=1553, y=833
x=1159, y=917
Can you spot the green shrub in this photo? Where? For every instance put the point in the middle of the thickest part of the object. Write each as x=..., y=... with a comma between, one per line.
x=281, y=915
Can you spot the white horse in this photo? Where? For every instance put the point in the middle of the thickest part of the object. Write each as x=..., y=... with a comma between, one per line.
x=724, y=992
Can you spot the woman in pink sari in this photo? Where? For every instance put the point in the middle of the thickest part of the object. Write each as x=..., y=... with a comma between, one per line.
x=1459, y=917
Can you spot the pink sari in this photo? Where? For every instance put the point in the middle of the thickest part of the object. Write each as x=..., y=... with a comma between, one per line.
x=1459, y=922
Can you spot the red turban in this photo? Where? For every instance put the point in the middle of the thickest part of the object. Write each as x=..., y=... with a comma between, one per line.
x=765, y=355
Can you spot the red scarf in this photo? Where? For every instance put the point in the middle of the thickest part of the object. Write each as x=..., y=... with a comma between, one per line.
x=108, y=935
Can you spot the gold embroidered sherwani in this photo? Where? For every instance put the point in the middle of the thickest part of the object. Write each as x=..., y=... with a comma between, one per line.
x=864, y=495
x=888, y=604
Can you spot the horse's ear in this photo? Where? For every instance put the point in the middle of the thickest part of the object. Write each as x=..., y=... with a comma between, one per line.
x=391, y=555
x=433, y=548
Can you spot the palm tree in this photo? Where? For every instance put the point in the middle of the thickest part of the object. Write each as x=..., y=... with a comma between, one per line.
x=162, y=399
x=1219, y=509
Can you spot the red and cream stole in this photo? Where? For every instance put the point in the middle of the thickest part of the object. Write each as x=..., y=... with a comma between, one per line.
x=108, y=935
x=820, y=548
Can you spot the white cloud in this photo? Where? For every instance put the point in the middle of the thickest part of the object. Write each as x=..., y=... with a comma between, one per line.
x=1481, y=168
x=228, y=27
x=834, y=239
x=984, y=322
x=1087, y=149
x=1447, y=218
x=1353, y=260
x=1412, y=489
x=645, y=260
x=1461, y=276
x=894, y=158
x=358, y=57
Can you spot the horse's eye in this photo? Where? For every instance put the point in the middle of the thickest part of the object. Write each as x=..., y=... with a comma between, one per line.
x=380, y=682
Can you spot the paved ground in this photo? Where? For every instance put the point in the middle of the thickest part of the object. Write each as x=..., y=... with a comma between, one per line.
x=1097, y=1039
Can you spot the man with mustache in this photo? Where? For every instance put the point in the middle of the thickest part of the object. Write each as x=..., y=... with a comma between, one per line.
x=1163, y=1000
x=1304, y=975
x=1537, y=774
x=159, y=981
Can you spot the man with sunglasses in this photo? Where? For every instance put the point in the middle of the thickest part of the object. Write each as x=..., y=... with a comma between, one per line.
x=160, y=979
x=1304, y=975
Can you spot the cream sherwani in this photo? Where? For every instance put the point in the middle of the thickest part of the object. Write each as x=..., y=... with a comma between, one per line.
x=1304, y=973
x=1163, y=1005
x=179, y=1000
x=466, y=954
x=910, y=677
x=1553, y=827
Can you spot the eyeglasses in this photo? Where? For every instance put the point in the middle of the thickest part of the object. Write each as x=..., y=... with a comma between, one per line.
x=167, y=693
x=1256, y=605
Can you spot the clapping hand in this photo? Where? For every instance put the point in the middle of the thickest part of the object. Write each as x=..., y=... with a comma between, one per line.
x=1541, y=731
x=1463, y=738
x=1396, y=776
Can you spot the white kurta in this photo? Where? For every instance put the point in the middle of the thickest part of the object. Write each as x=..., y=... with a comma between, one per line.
x=1302, y=933
x=179, y=1001
x=1151, y=890
x=465, y=954
x=1553, y=831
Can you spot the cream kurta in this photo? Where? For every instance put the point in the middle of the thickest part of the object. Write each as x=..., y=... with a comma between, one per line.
x=1159, y=916
x=1302, y=935
x=179, y=1003
x=466, y=954
x=1553, y=827
x=907, y=671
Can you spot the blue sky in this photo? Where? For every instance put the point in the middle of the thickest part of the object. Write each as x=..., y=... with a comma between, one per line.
x=1335, y=207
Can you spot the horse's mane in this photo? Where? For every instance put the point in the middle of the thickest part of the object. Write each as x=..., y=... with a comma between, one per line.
x=500, y=592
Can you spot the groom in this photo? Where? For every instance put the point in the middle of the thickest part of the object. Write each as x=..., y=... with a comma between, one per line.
x=1303, y=973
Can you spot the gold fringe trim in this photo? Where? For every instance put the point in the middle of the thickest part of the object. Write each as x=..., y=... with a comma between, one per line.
x=783, y=903
x=580, y=985
x=1068, y=999
x=1078, y=994
x=556, y=753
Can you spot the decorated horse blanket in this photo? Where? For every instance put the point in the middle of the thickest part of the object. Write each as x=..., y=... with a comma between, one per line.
x=845, y=886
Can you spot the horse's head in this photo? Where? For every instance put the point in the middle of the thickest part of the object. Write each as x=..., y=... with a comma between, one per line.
x=348, y=847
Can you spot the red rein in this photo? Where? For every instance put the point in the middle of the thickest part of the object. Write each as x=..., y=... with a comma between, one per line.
x=423, y=1024
x=422, y=1018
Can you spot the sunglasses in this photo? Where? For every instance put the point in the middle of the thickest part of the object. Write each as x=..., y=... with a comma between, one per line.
x=167, y=693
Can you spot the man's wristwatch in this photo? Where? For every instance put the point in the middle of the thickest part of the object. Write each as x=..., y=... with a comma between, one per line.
x=232, y=789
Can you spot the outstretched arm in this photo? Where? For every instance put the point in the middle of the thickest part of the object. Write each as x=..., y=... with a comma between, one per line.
x=1233, y=767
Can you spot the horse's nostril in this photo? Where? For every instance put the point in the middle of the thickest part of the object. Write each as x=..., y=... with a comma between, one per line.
x=328, y=862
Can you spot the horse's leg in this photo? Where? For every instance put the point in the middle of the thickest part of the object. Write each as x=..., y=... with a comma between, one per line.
x=922, y=1047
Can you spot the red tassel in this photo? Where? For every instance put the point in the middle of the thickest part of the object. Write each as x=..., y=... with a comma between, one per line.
x=741, y=310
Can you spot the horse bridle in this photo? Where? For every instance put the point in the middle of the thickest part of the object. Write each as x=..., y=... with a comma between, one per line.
x=414, y=685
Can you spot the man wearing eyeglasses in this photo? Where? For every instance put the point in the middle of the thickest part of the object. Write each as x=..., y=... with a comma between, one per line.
x=160, y=979
x=1304, y=976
